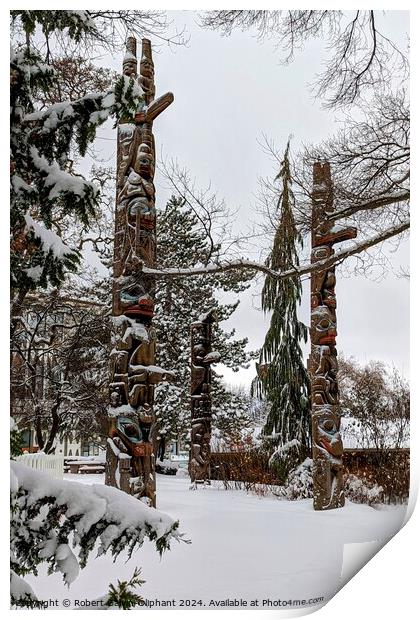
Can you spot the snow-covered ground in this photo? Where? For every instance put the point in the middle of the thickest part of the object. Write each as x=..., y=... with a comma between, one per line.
x=242, y=547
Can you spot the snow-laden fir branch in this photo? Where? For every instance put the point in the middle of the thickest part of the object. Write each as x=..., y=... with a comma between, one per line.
x=338, y=257
x=48, y=515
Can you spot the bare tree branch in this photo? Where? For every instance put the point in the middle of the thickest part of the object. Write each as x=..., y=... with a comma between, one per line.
x=244, y=264
x=371, y=204
x=360, y=57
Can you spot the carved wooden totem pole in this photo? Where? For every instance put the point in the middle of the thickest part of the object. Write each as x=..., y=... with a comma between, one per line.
x=202, y=357
x=130, y=456
x=327, y=446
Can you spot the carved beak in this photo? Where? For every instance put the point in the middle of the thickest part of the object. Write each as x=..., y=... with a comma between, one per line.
x=158, y=105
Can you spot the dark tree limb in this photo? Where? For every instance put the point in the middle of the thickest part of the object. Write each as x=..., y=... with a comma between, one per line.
x=243, y=264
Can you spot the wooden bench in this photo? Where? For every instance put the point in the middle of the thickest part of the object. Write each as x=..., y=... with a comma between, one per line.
x=91, y=469
x=84, y=467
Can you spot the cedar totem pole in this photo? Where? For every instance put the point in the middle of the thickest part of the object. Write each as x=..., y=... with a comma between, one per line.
x=130, y=452
x=327, y=446
x=201, y=359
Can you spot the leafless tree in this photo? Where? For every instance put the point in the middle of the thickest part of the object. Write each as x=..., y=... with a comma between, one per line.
x=360, y=57
x=217, y=220
x=370, y=159
x=77, y=76
x=376, y=399
x=59, y=352
x=369, y=156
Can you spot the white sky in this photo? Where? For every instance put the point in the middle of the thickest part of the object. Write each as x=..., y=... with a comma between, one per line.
x=229, y=92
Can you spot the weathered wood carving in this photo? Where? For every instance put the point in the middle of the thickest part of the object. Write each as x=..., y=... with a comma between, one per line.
x=327, y=446
x=202, y=357
x=133, y=370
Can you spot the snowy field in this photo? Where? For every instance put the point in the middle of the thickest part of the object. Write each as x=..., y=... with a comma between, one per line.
x=242, y=547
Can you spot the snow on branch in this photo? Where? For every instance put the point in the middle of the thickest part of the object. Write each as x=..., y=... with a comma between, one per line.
x=336, y=258
x=59, y=180
x=51, y=242
x=46, y=513
x=93, y=108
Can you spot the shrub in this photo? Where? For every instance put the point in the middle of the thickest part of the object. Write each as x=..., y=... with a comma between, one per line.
x=286, y=458
x=299, y=485
x=299, y=482
x=361, y=491
x=165, y=466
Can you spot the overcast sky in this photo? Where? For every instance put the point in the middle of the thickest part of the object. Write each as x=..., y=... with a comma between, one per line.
x=229, y=92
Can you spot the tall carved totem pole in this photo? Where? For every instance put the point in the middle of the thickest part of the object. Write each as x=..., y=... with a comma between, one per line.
x=327, y=446
x=130, y=453
x=202, y=357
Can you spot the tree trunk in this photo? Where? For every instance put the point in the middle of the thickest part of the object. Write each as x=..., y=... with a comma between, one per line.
x=38, y=432
x=54, y=428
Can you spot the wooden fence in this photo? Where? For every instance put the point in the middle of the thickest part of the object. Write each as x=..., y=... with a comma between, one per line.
x=51, y=464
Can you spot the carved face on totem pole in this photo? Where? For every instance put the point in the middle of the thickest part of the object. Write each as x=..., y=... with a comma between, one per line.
x=200, y=444
x=323, y=326
x=323, y=282
x=145, y=162
x=199, y=350
x=327, y=431
x=138, y=192
x=147, y=73
x=139, y=306
x=328, y=290
x=136, y=202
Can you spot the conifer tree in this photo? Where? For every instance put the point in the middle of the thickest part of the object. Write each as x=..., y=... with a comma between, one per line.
x=179, y=302
x=283, y=378
x=44, y=183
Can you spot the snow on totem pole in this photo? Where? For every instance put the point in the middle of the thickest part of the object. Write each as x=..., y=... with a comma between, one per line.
x=327, y=446
x=202, y=357
x=130, y=450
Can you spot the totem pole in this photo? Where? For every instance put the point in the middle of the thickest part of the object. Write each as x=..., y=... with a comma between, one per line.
x=202, y=357
x=327, y=446
x=130, y=453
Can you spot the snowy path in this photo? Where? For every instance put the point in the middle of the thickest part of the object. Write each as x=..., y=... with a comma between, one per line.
x=242, y=547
